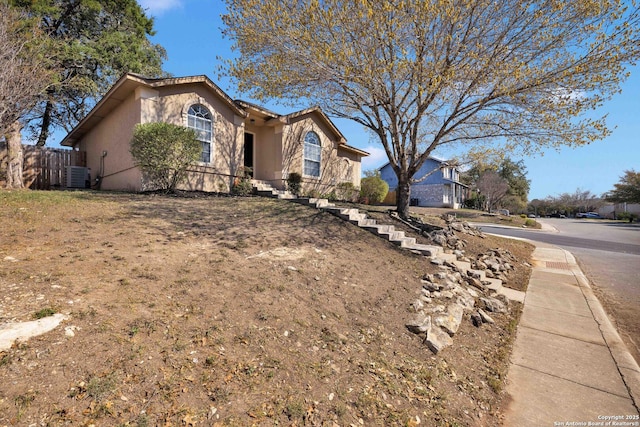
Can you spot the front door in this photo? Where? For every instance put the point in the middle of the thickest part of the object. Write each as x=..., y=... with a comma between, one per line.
x=248, y=152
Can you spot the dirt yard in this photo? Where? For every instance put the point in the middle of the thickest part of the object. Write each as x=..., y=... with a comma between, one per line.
x=223, y=311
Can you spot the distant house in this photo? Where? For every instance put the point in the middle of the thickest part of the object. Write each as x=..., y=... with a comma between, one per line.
x=441, y=189
x=234, y=134
x=612, y=210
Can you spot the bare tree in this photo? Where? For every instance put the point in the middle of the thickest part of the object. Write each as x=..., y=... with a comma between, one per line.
x=493, y=187
x=24, y=75
x=420, y=74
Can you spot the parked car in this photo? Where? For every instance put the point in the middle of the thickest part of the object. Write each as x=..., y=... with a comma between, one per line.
x=594, y=215
x=557, y=215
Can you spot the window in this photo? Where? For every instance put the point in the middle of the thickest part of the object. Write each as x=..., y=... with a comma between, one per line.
x=199, y=119
x=312, y=155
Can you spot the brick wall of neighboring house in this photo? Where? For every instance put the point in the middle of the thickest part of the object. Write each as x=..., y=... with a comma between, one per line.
x=428, y=194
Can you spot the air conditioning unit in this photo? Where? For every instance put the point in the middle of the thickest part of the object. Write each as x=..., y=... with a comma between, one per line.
x=77, y=177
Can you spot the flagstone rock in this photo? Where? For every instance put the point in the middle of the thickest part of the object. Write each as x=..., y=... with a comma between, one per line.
x=420, y=323
x=450, y=322
x=437, y=339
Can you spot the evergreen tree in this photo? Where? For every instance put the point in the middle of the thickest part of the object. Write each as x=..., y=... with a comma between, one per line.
x=94, y=42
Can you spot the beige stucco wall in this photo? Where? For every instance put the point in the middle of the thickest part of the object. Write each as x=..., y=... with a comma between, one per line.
x=112, y=135
x=267, y=158
x=278, y=147
x=337, y=165
x=172, y=106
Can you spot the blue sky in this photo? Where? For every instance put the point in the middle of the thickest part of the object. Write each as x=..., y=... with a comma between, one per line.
x=190, y=31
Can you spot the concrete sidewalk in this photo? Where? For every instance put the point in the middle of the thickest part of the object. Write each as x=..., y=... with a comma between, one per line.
x=569, y=365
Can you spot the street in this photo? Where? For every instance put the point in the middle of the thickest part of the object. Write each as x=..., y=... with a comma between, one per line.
x=609, y=255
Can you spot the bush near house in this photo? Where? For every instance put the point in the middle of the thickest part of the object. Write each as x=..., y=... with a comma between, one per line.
x=347, y=192
x=164, y=152
x=242, y=183
x=294, y=182
x=373, y=189
x=627, y=216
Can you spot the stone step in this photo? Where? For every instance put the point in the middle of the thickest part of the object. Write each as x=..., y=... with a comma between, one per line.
x=320, y=203
x=448, y=257
x=494, y=284
x=426, y=250
x=379, y=228
x=512, y=294
x=267, y=193
x=286, y=196
x=462, y=265
x=403, y=242
x=478, y=274
x=354, y=216
x=364, y=222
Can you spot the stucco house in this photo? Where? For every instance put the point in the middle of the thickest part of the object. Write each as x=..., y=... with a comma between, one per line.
x=234, y=135
x=441, y=189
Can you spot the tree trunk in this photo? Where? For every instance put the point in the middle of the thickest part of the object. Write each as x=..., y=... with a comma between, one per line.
x=403, y=196
x=15, y=156
x=46, y=123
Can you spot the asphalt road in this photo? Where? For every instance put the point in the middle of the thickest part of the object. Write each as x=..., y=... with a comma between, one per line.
x=599, y=235
x=609, y=254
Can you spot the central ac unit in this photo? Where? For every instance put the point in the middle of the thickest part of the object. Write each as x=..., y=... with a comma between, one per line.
x=77, y=177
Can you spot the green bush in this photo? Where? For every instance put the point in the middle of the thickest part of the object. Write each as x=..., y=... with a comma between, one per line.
x=164, y=152
x=373, y=190
x=627, y=216
x=347, y=192
x=530, y=222
x=294, y=181
x=242, y=184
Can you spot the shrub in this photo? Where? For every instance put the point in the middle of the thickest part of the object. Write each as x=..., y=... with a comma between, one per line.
x=164, y=152
x=347, y=192
x=373, y=190
x=294, y=182
x=242, y=184
x=530, y=222
x=627, y=216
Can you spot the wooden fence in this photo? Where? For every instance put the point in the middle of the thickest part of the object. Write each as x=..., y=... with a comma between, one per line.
x=45, y=168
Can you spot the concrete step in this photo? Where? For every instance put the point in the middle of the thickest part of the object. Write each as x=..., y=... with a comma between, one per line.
x=363, y=223
x=267, y=193
x=379, y=228
x=426, y=250
x=478, y=274
x=286, y=195
x=462, y=265
x=512, y=294
x=320, y=203
x=447, y=257
x=494, y=284
x=403, y=242
x=354, y=216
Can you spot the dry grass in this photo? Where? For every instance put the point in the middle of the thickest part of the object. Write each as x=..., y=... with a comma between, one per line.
x=226, y=311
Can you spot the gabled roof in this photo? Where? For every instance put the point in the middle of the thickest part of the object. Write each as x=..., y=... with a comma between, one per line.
x=128, y=83
x=246, y=105
x=286, y=118
x=317, y=110
x=121, y=90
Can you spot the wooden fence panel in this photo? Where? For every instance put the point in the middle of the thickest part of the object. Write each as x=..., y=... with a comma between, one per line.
x=45, y=168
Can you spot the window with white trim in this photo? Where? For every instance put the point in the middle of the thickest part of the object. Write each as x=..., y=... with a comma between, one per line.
x=199, y=119
x=312, y=155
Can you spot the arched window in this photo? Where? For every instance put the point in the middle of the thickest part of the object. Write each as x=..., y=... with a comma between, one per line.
x=312, y=155
x=199, y=119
